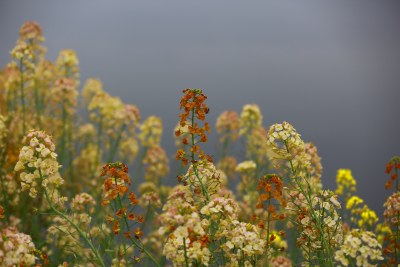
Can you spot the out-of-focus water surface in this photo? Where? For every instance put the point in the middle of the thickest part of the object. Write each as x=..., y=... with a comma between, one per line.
x=329, y=68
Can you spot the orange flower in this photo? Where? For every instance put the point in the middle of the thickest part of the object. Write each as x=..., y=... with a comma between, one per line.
x=180, y=154
x=138, y=233
x=132, y=198
x=204, y=240
x=140, y=218
x=116, y=227
x=131, y=216
x=272, y=238
x=271, y=187
x=127, y=235
x=121, y=212
x=392, y=169
x=193, y=105
x=389, y=167
x=2, y=214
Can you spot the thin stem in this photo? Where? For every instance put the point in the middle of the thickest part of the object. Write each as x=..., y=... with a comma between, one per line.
x=22, y=96
x=268, y=226
x=134, y=242
x=63, y=140
x=203, y=188
x=99, y=134
x=37, y=105
x=185, y=253
x=5, y=198
x=116, y=144
x=315, y=217
x=81, y=234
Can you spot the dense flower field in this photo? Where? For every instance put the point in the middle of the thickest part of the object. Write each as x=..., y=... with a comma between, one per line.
x=68, y=199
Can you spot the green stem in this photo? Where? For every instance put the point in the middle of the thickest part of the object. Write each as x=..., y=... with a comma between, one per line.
x=315, y=217
x=224, y=148
x=99, y=133
x=147, y=216
x=63, y=136
x=80, y=232
x=185, y=252
x=22, y=96
x=268, y=224
x=116, y=144
x=203, y=188
x=134, y=242
x=5, y=195
x=397, y=239
x=37, y=105
x=5, y=199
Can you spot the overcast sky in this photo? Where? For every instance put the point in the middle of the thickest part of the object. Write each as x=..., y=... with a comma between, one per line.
x=331, y=68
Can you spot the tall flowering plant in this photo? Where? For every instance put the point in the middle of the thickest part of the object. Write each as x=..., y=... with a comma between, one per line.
x=66, y=198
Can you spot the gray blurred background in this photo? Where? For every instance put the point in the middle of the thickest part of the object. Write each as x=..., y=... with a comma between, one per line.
x=331, y=68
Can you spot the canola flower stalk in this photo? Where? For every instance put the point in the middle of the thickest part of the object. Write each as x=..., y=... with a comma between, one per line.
x=38, y=161
x=115, y=187
x=291, y=139
x=193, y=105
x=196, y=172
x=81, y=234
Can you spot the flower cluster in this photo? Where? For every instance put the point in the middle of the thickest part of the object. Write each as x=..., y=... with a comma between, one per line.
x=353, y=202
x=246, y=166
x=68, y=64
x=65, y=93
x=247, y=169
x=250, y=118
x=179, y=206
x=83, y=202
x=319, y=223
x=91, y=88
x=227, y=126
x=203, y=174
x=31, y=30
x=38, y=163
x=360, y=248
x=193, y=106
x=189, y=243
x=362, y=215
x=257, y=148
x=242, y=244
x=392, y=210
x=314, y=169
x=271, y=189
x=31, y=33
x=151, y=131
x=281, y=261
x=116, y=188
x=221, y=207
x=284, y=140
x=271, y=198
x=156, y=164
x=64, y=235
x=16, y=249
x=346, y=184
x=392, y=169
x=391, y=236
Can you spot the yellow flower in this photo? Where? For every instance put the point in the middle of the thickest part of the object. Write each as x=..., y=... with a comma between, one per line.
x=345, y=181
x=250, y=118
x=368, y=217
x=353, y=202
